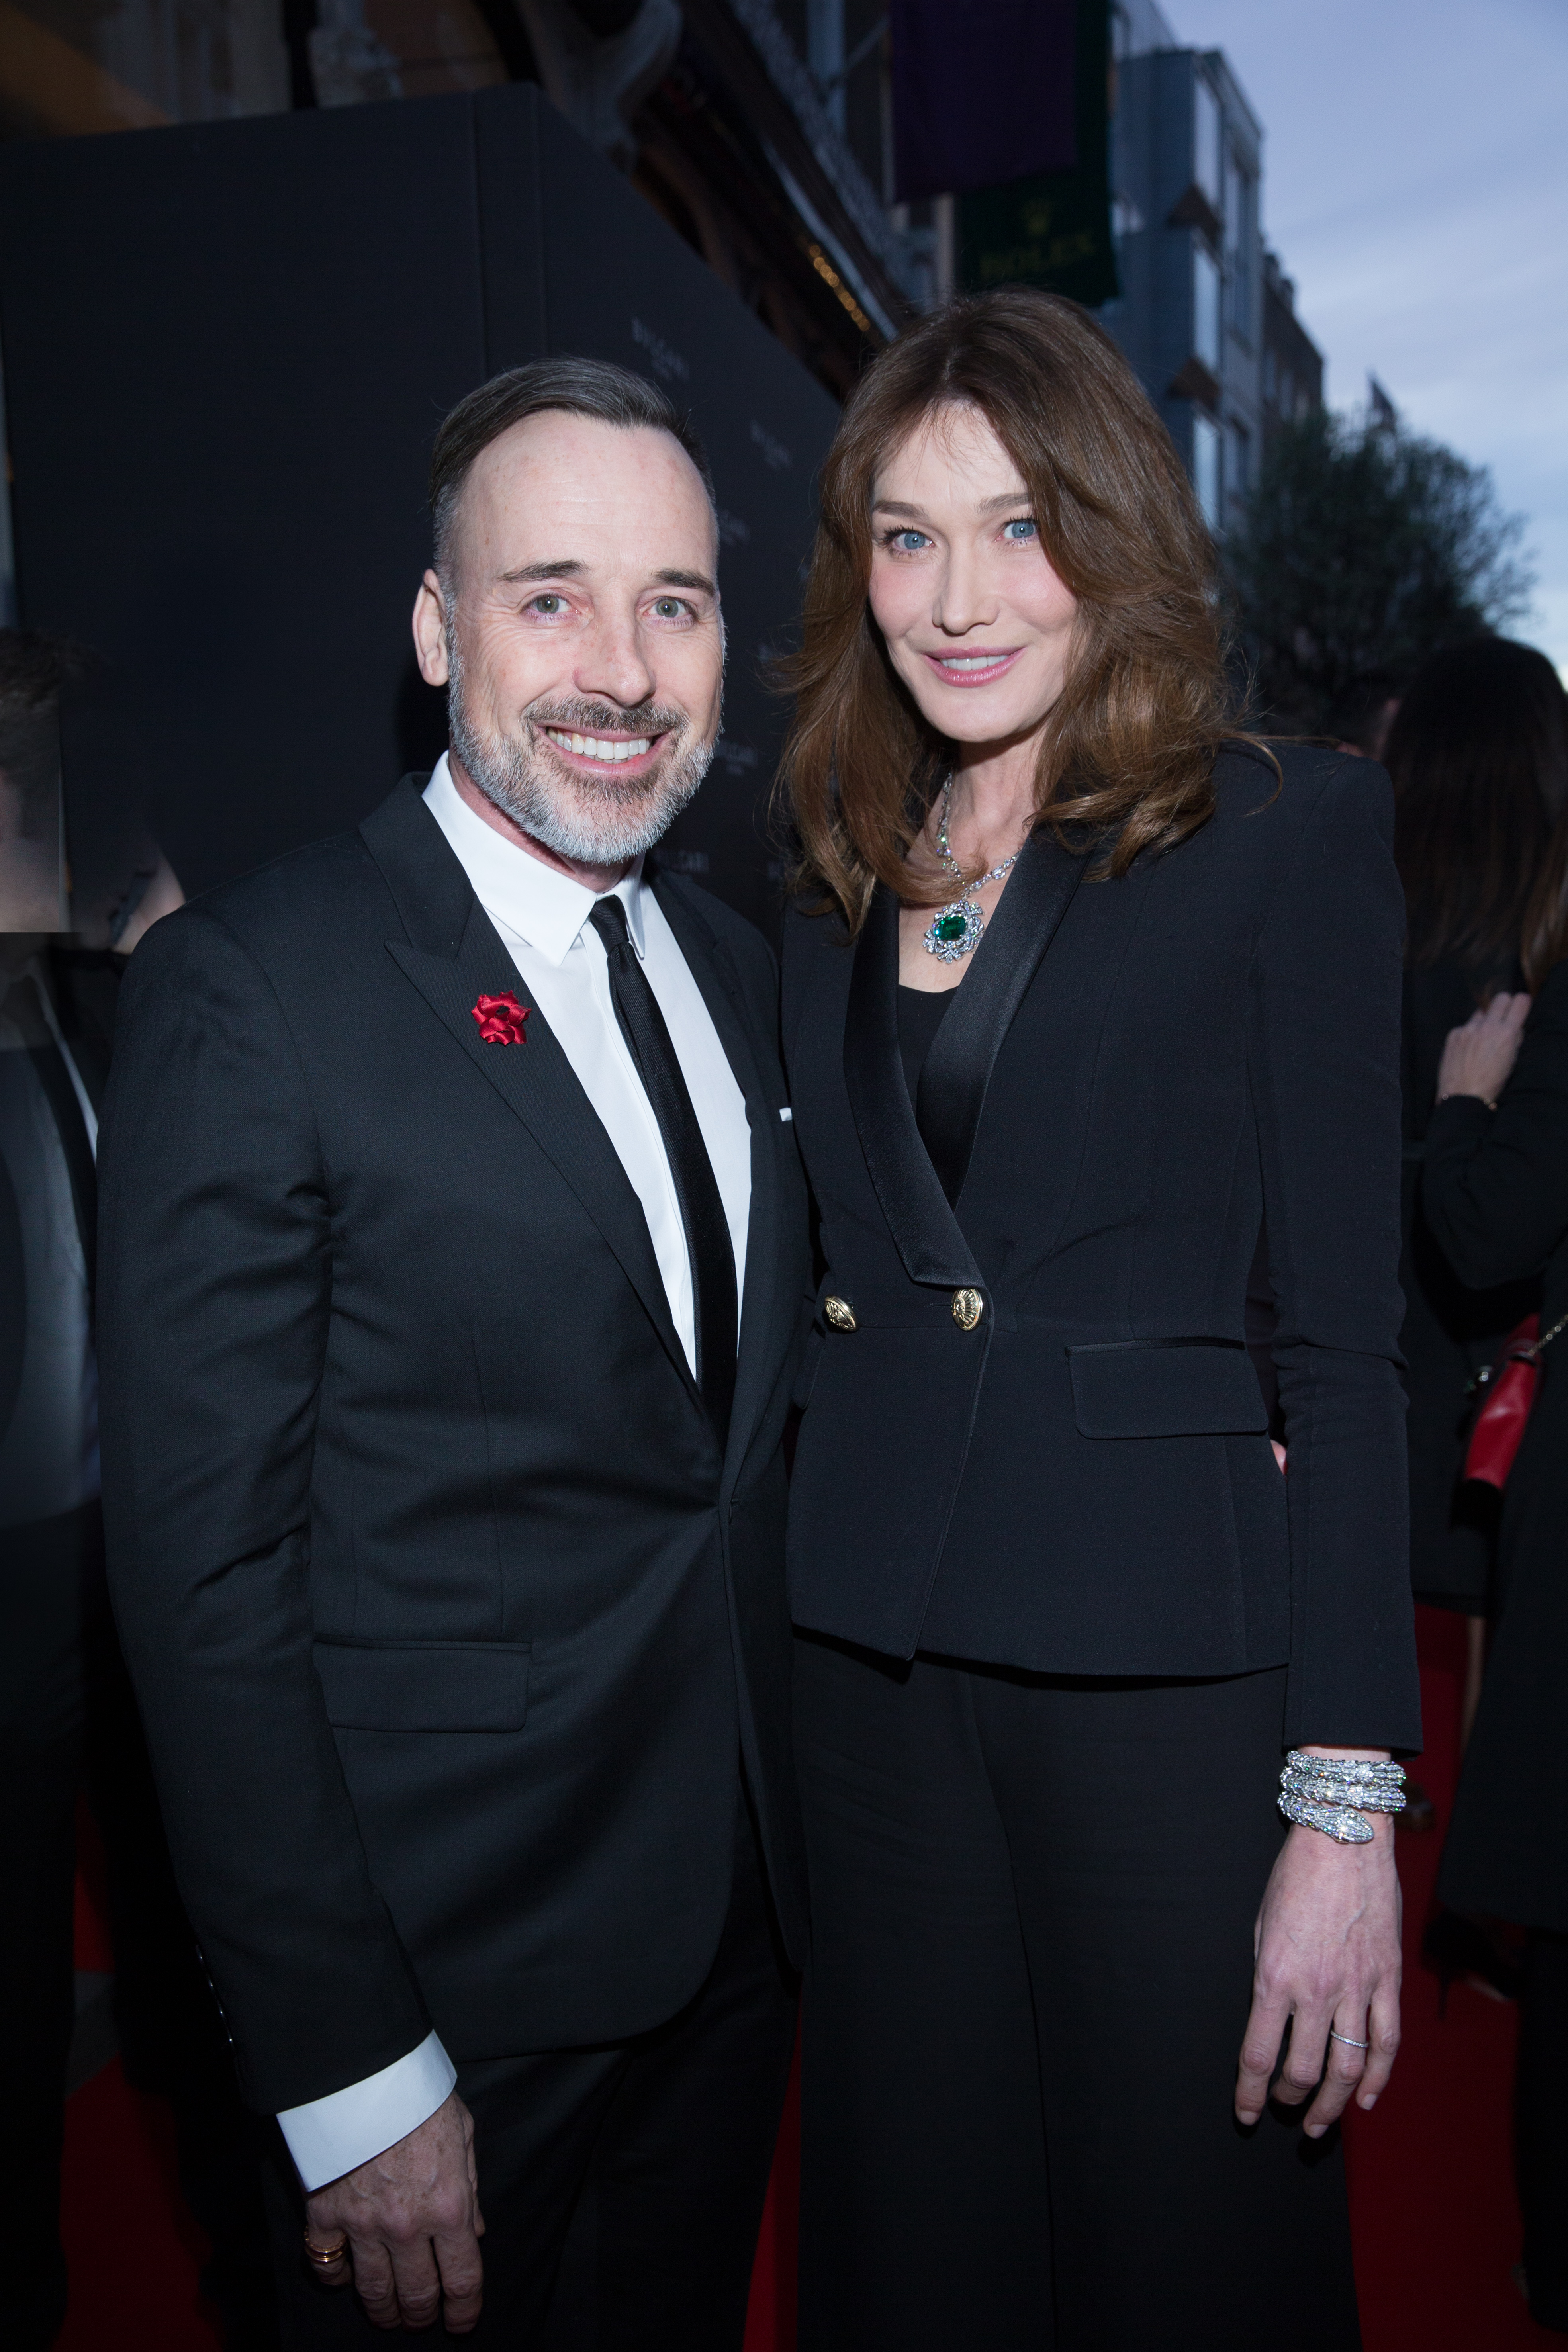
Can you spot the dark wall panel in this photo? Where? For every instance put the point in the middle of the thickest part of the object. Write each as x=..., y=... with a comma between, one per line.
x=227, y=350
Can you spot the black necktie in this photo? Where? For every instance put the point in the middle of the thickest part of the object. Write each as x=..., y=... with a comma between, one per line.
x=707, y=1246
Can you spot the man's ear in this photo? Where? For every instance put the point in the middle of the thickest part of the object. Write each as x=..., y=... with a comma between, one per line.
x=430, y=627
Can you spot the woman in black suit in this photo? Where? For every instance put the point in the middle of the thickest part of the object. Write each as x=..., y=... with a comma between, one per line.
x=1495, y=1193
x=1087, y=1005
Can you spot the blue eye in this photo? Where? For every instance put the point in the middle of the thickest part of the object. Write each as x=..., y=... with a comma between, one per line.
x=907, y=543
x=1020, y=531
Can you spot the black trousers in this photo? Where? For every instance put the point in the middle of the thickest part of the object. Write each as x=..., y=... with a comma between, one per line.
x=1032, y=1911
x=1541, y=2104
x=67, y=1714
x=622, y=2187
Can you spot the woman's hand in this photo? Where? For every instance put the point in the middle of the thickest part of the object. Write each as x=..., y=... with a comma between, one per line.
x=1478, y=1059
x=1327, y=1953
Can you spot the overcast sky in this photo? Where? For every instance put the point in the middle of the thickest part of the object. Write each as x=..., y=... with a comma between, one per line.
x=1415, y=187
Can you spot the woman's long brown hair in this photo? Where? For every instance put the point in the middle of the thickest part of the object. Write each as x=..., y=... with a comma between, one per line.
x=1127, y=755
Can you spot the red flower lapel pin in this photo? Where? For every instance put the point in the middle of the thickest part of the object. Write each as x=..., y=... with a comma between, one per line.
x=500, y=1019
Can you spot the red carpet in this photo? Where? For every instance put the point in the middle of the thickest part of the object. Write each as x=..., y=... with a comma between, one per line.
x=1431, y=2179
x=1431, y=2168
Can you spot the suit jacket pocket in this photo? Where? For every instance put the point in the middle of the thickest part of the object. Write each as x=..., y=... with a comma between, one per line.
x=425, y=1686
x=1170, y=1388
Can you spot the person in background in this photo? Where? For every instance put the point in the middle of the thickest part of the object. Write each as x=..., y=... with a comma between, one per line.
x=54, y=1018
x=64, y=1697
x=1478, y=756
x=1495, y=1196
x=141, y=889
x=1363, y=713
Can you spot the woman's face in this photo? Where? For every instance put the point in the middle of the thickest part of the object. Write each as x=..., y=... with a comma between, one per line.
x=977, y=624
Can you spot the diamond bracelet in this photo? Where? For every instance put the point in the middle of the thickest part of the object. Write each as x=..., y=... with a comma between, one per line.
x=1335, y=1793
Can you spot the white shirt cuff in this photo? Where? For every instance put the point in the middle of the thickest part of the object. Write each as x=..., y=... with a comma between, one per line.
x=329, y=2137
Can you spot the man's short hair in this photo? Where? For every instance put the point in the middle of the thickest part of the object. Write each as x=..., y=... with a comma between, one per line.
x=580, y=387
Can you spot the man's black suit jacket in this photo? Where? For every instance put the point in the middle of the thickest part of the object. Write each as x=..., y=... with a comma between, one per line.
x=1136, y=1080
x=450, y=1620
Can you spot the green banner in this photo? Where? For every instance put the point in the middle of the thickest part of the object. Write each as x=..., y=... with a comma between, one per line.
x=1054, y=230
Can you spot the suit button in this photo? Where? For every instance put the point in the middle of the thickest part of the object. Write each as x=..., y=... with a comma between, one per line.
x=839, y=1313
x=968, y=1307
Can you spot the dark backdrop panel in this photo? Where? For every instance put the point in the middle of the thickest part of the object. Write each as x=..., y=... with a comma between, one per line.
x=226, y=348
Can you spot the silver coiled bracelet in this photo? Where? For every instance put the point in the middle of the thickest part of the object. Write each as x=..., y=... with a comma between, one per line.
x=1335, y=1793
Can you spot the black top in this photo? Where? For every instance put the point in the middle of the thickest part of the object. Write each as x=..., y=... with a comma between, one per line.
x=1450, y=1330
x=449, y=1613
x=1135, y=1077
x=1495, y=1194
x=919, y=1017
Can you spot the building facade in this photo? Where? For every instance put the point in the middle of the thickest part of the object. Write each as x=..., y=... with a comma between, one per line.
x=762, y=131
x=763, y=138
x=1292, y=363
x=1201, y=296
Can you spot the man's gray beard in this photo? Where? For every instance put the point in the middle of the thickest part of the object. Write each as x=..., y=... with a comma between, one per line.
x=577, y=816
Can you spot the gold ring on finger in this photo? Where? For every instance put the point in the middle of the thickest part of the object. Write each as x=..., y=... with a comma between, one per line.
x=325, y=2256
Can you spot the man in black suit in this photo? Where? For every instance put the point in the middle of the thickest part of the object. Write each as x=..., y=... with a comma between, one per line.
x=452, y=1250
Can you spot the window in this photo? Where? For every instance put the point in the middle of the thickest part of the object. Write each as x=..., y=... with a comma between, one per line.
x=1206, y=307
x=1270, y=376
x=1241, y=208
x=1205, y=468
x=1205, y=140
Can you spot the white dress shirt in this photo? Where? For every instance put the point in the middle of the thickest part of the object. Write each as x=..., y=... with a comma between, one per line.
x=543, y=918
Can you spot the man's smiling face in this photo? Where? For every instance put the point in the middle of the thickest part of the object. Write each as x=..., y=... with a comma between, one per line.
x=577, y=628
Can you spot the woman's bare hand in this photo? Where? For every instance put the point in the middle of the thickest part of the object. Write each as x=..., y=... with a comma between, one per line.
x=1327, y=1955
x=1478, y=1058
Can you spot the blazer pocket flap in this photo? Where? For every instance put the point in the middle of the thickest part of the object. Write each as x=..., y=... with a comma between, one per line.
x=1182, y=1389
x=425, y=1686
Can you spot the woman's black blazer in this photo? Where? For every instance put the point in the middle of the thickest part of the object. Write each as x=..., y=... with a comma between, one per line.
x=1136, y=1080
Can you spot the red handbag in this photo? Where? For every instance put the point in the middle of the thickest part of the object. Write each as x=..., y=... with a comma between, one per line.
x=1509, y=1390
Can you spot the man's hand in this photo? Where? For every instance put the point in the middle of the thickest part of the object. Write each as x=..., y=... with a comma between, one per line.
x=1327, y=1955
x=413, y=2222
x=1478, y=1058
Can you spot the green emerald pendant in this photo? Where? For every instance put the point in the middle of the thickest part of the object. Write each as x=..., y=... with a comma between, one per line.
x=953, y=931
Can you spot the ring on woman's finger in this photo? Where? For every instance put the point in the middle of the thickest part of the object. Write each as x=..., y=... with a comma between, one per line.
x=1347, y=2040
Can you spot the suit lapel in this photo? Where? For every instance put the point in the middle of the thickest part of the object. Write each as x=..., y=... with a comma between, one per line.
x=919, y=1216
x=453, y=955
x=958, y=1069
x=713, y=968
